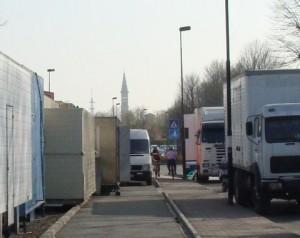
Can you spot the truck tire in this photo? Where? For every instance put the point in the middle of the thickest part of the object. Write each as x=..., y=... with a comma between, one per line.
x=241, y=193
x=203, y=179
x=261, y=203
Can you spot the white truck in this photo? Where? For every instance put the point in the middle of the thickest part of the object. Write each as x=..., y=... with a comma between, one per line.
x=209, y=140
x=266, y=137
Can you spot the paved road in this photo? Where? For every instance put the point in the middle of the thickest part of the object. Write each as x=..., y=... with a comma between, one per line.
x=139, y=212
x=206, y=208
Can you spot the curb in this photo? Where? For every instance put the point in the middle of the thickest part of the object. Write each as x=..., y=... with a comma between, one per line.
x=182, y=218
x=59, y=224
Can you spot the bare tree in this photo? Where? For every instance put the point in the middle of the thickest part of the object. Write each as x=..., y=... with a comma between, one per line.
x=257, y=56
x=287, y=30
x=211, y=89
x=191, y=84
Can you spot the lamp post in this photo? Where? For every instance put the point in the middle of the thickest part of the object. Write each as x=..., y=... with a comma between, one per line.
x=49, y=71
x=182, y=135
x=144, y=110
x=117, y=105
x=113, y=105
x=228, y=98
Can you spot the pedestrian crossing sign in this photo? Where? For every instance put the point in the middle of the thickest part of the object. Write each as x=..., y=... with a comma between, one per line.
x=173, y=132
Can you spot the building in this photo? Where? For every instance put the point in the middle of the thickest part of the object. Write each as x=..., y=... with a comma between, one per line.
x=124, y=100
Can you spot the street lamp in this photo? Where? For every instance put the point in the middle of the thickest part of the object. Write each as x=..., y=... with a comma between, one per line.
x=49, y=71
x=113, y=105
x=228, y=98
x=144, y=110
x=117, y=104
x=182, y=136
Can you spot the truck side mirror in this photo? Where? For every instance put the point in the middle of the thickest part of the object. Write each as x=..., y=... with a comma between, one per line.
x=249, y=128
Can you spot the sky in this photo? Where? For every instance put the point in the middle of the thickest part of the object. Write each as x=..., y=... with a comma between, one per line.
x=90, y=43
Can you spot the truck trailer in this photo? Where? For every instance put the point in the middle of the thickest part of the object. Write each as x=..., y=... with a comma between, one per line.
x=265, y=137
x=21, y=142
x=209, y=140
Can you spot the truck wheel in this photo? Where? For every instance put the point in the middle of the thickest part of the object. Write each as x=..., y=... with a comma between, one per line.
x=237, y=188
x=260, y=202
x=203, y=179
x=241, y=193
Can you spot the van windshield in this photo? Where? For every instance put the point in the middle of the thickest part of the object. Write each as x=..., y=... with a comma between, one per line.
x=213, y=133
x=282, y=129
x=139, y=147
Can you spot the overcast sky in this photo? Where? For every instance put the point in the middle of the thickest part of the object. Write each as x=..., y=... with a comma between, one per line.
x=91, y=42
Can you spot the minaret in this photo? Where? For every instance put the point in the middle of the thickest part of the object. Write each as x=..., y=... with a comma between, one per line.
x=92, y=102
x=124, y=100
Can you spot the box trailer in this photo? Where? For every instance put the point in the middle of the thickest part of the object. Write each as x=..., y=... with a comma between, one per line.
x=191, y=147
x=70, y=155
x=266, y=136
x=107, y=153
x=21, y=154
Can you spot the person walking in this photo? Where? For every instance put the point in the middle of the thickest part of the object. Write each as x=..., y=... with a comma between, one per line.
x=171, y=156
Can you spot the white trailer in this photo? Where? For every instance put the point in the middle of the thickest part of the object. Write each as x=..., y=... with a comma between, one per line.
x=210, y=140
x=266, y=136
x=17, y=122
x=70, y=155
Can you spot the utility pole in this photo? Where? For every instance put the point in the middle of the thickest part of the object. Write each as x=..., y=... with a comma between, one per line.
x=182, y=135
x=228, y=91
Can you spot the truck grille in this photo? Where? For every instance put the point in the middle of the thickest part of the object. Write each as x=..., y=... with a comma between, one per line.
x=285, y=164
x=220, y=151
x=136, y=167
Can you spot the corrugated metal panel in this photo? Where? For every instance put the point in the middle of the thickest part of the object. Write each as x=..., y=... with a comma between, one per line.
x=15, y=93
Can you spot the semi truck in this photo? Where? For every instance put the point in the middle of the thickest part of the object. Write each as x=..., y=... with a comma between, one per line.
x=265, y=137
x=210, y=139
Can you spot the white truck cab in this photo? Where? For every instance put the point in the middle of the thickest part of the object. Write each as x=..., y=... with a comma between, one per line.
x=140, y=157
x=210, y=141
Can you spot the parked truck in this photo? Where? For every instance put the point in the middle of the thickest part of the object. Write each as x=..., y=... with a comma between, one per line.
x=265, y=137
x=210, y=141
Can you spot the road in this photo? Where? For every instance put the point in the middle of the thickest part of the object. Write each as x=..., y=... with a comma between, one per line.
x=139, y=212
x=206, y=208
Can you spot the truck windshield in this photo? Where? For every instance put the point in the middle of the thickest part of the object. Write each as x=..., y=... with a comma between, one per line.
x=213, y=133
x=139, y=147
x=282, y=129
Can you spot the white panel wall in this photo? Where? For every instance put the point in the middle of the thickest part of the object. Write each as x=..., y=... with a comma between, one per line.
x=15, y=91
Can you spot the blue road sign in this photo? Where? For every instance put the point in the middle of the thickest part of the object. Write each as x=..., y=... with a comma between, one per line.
x=173, y=132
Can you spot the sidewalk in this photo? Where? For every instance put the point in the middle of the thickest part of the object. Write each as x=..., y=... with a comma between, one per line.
x=207, y=209
x=139, y=212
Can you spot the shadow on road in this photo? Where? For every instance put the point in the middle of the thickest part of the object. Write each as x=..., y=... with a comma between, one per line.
x=131, y=208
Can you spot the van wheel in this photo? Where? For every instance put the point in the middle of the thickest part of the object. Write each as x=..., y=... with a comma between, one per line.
x=149, y=181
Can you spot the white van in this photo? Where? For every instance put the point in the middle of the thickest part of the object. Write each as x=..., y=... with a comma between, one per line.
x=140, y=157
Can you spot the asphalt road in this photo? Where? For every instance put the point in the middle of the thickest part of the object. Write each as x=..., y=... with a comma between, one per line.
x=140, y=212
